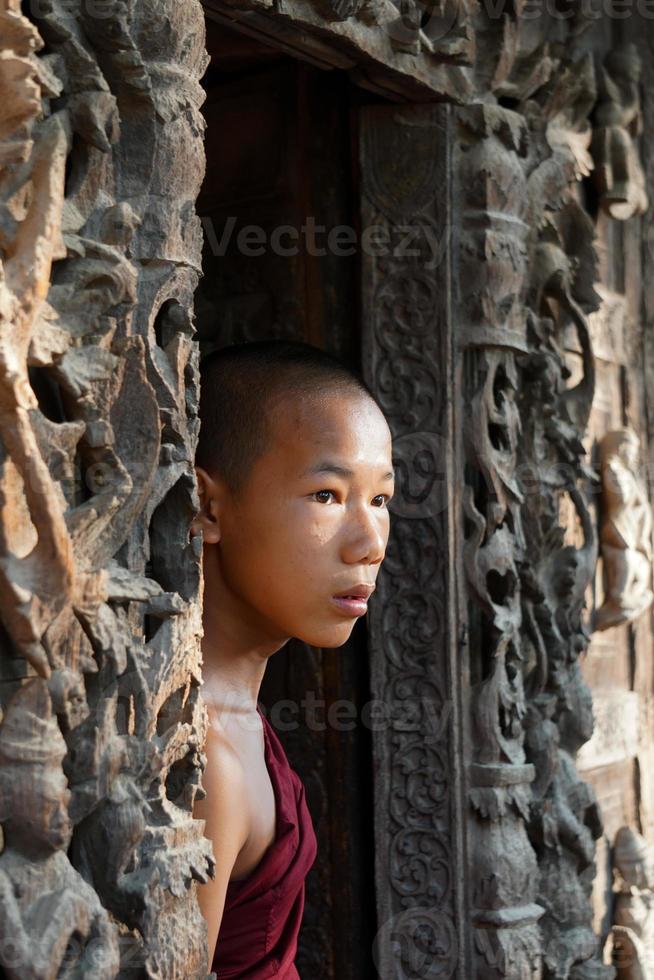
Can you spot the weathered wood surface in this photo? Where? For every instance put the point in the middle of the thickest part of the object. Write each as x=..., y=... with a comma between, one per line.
x=409, y=365
x=512, y=295
x=100, y=162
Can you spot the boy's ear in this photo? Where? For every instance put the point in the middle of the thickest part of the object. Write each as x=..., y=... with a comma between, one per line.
x=207, y=518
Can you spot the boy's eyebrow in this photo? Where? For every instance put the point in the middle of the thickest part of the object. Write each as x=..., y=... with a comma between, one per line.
x=327, y=466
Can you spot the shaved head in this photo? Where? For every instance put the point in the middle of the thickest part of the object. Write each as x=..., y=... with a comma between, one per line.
x=244, y=385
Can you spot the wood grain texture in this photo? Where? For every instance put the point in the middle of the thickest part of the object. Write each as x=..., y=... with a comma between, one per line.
x=100, y=162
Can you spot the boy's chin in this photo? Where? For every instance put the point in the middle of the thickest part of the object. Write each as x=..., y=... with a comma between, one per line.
x=329, y=638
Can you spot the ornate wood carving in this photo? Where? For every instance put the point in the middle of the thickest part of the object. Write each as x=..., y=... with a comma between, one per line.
x=526, y=274
x=492, y=250
x=469, y=310
x=626, y=532
x=100, y=163
x=414, y=47
x=408, y=364
x=633, y=930
x=524, y=271
x=618, y=124
x=564, y=818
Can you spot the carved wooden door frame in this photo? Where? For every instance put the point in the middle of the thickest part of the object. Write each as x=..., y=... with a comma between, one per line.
x=482, y=822
x=409, y=363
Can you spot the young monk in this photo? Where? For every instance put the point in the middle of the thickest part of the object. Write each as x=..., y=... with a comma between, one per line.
x=295, y=472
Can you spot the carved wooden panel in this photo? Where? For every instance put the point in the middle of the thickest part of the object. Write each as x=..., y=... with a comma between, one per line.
x=618, y=666
x=100, y=163
x=416, y=675
x=406, y=48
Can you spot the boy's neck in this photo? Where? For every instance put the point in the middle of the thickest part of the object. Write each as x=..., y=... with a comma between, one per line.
x=234, y=655
x=231, y=683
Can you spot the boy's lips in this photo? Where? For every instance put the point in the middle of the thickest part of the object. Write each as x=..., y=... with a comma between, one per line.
x=360, y=591
x=354, y=601
x=353, y=607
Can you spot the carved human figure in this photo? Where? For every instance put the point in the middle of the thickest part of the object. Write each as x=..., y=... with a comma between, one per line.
x=633, y=931
x=618, y=122
x=68, y=698
x=626, y=532
x=52, y=924
x=568, y=824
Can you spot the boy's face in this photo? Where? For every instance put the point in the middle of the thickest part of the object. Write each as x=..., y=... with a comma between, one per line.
x=299, y=533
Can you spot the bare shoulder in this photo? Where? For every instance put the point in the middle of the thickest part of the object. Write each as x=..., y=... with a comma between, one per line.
x=225, y=813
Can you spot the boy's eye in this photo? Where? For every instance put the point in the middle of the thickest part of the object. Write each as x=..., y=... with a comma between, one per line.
x=380, y=496
x=318, y=493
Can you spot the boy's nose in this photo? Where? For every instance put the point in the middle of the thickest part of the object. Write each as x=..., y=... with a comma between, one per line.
x=366, y=540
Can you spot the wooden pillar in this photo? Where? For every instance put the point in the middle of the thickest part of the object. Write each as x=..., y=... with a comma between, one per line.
x=416, y=673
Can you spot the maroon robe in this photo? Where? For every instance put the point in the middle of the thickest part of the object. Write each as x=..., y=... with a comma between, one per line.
x=263, y=912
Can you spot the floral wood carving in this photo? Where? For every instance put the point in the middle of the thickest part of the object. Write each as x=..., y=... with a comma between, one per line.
x=564, y=818
x=407, y=363
x=527, y=273
x=505, y=911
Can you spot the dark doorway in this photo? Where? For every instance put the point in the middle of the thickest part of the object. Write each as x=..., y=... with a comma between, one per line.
x=279, y=208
